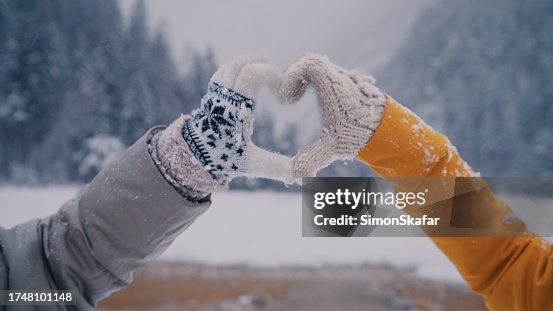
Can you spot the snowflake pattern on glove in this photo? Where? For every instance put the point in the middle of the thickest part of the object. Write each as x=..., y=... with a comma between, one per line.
x=217, y=131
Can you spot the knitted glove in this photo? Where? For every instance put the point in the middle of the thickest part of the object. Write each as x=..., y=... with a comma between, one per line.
x=216, y=138
x=351, y=108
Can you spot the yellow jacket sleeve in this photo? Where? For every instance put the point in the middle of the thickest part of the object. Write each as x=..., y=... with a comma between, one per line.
x=511, y=272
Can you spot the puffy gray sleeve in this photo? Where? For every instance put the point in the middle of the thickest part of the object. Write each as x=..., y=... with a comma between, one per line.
x=126, y=217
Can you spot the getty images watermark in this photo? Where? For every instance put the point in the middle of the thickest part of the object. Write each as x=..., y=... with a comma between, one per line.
x=345, y=198
x=441, y=206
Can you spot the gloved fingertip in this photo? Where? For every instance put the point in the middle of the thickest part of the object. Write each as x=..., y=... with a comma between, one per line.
x=292, y=89
x=228, y=73
x=255, y=76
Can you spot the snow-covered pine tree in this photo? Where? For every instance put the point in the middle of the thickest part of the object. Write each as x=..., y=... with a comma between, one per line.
x=73, y=71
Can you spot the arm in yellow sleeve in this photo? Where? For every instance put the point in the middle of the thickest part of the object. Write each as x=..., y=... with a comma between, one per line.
x=512, y=272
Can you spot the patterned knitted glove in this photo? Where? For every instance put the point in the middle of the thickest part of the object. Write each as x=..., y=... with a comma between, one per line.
x=351, y=108
x=218, y=133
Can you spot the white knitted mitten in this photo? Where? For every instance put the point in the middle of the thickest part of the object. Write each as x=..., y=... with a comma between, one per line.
x=351, y=108
x=218, y=133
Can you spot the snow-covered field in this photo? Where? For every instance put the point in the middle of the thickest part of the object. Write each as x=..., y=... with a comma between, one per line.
x=257, y=228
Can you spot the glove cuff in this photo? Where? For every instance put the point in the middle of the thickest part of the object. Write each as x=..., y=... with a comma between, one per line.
x=360, y=122
x=179, y=164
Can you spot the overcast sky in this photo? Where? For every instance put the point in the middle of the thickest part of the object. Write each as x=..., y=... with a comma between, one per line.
x=352, y=32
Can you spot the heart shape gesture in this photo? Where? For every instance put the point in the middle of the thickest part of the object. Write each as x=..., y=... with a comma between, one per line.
x=218, y=133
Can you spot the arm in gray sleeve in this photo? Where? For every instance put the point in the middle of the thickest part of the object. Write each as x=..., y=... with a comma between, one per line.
x=126, y=217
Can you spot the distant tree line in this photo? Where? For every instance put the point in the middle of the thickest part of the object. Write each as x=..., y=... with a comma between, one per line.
x=78, y=83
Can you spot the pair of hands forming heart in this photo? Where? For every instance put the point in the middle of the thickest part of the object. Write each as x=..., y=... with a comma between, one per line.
x=219, y=132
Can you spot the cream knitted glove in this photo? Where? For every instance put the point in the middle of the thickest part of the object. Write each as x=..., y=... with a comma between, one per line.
x=216, y=138
x=351, y=108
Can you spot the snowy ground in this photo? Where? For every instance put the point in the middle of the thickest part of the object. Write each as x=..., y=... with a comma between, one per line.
x=171, y=286
x=256, y=228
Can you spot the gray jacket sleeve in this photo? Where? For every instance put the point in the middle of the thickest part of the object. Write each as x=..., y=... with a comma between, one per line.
x=127, y=216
